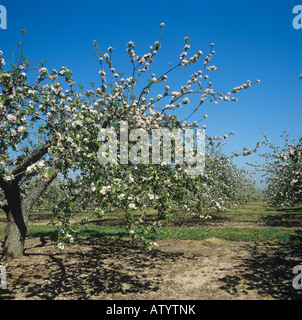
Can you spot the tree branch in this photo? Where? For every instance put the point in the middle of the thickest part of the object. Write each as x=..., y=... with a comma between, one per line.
x=35, y=194
x=35, y=156
x=5, y=208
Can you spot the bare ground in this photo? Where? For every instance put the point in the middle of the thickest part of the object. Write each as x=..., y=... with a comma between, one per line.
x=116, y=268
x=99, y=268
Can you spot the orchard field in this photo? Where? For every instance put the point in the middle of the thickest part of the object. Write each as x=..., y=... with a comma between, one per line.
x=126, y=179
x=246, y=253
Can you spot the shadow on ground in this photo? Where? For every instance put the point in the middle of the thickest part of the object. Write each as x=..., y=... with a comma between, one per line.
x=112, y=268
x=100, y=268
x=268, y=269
x=283, y=221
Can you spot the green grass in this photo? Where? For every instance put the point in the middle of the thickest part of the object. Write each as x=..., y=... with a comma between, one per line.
x=269, y=213
x=47, y=230
x=253, y=210
x=281, y=235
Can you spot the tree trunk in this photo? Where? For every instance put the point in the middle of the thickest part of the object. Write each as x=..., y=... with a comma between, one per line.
x=16, y=224
x=161, y=213
x=13, y=246
x=17, y=211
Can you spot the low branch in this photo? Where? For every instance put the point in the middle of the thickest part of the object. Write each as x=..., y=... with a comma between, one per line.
x=35, y=156
x=5, y=208
x=36, y=193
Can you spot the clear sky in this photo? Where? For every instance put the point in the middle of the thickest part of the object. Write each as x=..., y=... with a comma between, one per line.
x=253, y=40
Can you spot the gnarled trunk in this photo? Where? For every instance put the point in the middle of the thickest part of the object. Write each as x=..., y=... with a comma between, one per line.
x=17, y=211
x=16, y=224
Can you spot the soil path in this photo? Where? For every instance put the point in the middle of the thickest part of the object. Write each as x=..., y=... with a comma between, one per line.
x=111, y=268
x=117, y=268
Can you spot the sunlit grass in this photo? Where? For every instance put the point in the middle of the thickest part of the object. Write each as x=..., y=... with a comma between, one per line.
x=250, y=212
x=282, y=235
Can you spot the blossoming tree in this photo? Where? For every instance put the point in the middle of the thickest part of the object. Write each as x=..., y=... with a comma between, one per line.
x=40, y=134
x=49, y=127
x=162, y=186
x=283, y=173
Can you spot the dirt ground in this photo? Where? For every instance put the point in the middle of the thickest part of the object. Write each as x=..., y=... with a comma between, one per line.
x=116, y=268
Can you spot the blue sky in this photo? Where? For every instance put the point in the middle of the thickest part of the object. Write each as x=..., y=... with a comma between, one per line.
x=253, y=40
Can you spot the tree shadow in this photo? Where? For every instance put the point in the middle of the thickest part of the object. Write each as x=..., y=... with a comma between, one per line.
x=269, y=270
x=293, y=220
x=98, y=269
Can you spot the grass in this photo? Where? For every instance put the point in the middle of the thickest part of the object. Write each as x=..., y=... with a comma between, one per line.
x=281, y=235
x=253, y=210
x=47, y=230
x=269, y=213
